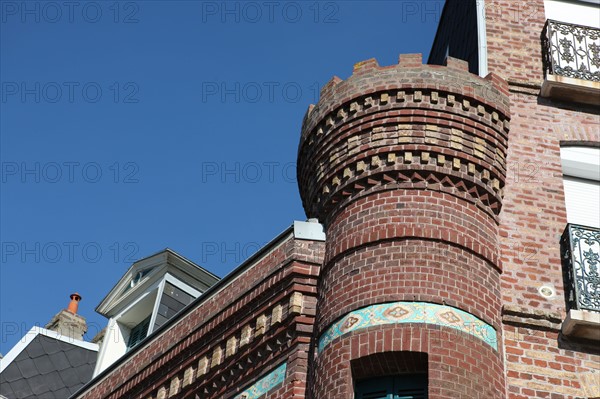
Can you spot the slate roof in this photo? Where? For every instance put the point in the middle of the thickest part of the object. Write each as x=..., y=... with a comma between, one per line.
x=47, y=367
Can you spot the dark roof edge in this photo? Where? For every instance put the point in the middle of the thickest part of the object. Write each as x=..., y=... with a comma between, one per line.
x=437, y=32
x=207, y=294
x=183, y=258
x=177, y=255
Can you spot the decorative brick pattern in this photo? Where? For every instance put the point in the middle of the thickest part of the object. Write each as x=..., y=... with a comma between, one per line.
x=220, y=352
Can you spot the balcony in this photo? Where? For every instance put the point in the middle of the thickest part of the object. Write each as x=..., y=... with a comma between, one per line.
x=580, y=253
x=571, y=59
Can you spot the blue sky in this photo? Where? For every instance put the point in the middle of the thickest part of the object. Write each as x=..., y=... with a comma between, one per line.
x=128, y=127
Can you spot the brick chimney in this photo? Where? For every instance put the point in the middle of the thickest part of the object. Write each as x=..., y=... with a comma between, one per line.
x=67, y=322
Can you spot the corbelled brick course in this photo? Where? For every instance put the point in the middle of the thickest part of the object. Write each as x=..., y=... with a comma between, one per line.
x=379, y=117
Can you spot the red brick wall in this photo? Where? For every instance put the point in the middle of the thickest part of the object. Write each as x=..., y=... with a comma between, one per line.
x=410, y=270
x=540, y=362
x=406, y=166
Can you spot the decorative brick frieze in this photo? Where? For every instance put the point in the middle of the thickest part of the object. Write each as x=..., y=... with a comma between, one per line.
x=175, y=386
x=246, y=335
x=188, y=376
x=215, y=371
x=261, y=325
x=202, y=366
x=296, y=301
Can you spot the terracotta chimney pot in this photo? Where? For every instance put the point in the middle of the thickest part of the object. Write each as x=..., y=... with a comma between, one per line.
x=74, y=304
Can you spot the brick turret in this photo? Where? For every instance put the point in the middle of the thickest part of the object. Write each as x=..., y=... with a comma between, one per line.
x=405, y=165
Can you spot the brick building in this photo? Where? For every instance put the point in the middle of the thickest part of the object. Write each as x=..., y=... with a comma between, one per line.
x=457, y=250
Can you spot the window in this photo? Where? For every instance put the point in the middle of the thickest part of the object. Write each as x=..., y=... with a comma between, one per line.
x=581, y=179
x=409, y=386
x=138, y=333
x=136, y=279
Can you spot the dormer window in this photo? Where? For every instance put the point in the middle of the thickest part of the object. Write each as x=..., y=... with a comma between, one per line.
x=152, y=291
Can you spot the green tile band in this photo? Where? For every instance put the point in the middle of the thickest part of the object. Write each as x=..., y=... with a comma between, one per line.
x=265, y=384
x=410, y=312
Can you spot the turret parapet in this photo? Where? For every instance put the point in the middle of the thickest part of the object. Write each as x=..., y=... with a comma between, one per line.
x=405, y=117
x=488, y=90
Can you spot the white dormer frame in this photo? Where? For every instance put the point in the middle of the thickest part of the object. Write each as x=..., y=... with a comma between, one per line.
x=114, y=344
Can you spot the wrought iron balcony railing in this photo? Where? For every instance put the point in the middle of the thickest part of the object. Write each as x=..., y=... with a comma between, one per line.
x=580, y=252
x=571, y=50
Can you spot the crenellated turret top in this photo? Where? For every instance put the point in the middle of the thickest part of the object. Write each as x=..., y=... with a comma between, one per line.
x=405, y=117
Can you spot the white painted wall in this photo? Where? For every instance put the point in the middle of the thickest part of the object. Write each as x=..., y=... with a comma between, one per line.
x=115, y=340
x=582, y=12
x=114, y=345
x=482, y=38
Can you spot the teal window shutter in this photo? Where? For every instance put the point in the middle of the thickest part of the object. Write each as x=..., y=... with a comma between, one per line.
x=138, y=333
x=412, y=386
x=375, y=388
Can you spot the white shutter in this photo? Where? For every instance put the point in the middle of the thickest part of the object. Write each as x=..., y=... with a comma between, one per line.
x=582, y=199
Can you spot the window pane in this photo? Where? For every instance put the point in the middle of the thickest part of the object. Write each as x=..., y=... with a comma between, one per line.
x=410, y=386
